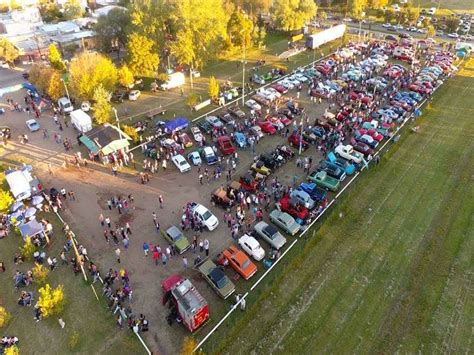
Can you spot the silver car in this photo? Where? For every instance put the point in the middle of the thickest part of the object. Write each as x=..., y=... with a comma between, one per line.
x=270, y=234
x=303, y=198
x=285, y=222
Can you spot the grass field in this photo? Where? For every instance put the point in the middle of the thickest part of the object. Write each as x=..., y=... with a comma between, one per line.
x=390, y=269
x=453, y=5
x=90, y=327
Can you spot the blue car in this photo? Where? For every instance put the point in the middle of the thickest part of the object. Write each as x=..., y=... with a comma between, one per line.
x=343, y=164
x=318, y=131
x=195, y=158
x=316, y=193
x=240, y=139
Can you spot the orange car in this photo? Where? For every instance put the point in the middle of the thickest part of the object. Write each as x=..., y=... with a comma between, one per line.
x=240, y=262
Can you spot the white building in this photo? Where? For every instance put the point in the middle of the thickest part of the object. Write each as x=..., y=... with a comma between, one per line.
x=19, y=22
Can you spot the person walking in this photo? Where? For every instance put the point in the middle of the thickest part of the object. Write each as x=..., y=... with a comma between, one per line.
x=146, y=248
x=117, y=254
x=107, y=220
x=185, y=262
x=101, y=219
x=160, y=199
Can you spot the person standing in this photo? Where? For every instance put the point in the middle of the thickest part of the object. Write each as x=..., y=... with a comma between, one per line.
x=146, y=248
x=185, y=262
x=206, y=246
x=160, y=199
x=117, y=254
x=156, y=256
x=101, y=219
x=107, y=220
x=201, y=246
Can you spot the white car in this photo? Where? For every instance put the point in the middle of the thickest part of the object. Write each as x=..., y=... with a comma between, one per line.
x=267, y=94
x=453, y=35
x=181, y=163
x=205, y=216
x=274, y=92
x=195, y=158
x=134, y=95
x=214, y=121
x=286, y=83
x=253, y=105
x=301, y=78
x=252, y=247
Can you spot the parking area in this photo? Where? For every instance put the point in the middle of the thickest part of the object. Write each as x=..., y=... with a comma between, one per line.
x=356, y=98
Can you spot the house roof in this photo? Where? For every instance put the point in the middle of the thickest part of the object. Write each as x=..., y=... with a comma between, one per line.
x=107, y=138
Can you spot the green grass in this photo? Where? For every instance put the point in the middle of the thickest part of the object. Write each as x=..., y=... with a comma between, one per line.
x=83, y=314
x=390, y=269
x=449, y=5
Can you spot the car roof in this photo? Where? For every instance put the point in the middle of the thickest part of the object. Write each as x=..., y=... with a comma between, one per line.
x=174, y=232
x=251, y=241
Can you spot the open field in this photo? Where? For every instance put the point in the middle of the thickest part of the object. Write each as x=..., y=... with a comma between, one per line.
x=390, y=269
x=87, y=320
x=453, y=5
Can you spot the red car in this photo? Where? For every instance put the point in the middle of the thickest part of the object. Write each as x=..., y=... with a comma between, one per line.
x=225, y=145
x=295, y=140
x=419, y=89
x=294, y=209
x=362, y=148
x=266, y=127
x=323, y=69
x=284, y=119
x=280, y=88
x=359, y=95
x=373, y=133
x=318, y=92
x=400, y=104
x=248, y=183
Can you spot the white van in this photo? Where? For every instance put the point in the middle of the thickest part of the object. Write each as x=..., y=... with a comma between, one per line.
x=174, y=80
x=22, y=184
x=81, y=121
x=65, y=104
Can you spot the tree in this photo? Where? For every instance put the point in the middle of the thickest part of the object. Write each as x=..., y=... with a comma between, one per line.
x=293, y=14
x=111, y=30
x=28, y=249
x=72, y=10
x=389, y=15
x=51, y=301
x=4, y=317
x=239, y=29
x=452, y=23
x=131, y=132
x=102, y=107
x=200, y=30
x=55, y=58
x=40, y=274
x=151, y=18
x=412, y=14
x=142, y=58
x=192, y=100
x=6, y=201
x=50, y=11
x=430, y=31
x=88, y=71
x=8, y=51
x=213, y=88
x=377, y=4
x=125, y=76
x=356, y=8
x=55, y=86
x=12, y=350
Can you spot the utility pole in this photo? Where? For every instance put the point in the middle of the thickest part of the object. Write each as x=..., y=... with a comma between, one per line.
x=67, y=91
x=191, y=74
x=118, y=122
x=243, y=78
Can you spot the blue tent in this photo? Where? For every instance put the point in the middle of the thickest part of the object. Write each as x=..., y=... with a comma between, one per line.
x=177, y=124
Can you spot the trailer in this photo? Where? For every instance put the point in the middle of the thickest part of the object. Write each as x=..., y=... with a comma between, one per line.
x=318, y=39
x=188, y=303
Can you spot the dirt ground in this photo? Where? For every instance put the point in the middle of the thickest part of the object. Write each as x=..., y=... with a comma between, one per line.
x=95, y=184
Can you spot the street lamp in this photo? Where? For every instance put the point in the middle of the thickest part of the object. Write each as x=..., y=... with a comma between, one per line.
x=118, y=122
x=243, y=78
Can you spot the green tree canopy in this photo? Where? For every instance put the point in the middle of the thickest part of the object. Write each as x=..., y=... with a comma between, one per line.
x=73, y=9
x=151, y=19
x=125, y=76
x=102, y=107
x=88, y=71
x=293, y=14
x=142, y=58
x=240, y=28
x=356, y=8
x=8, y=52
x=111, y=30
x=200, y=29
x=55, y=58
x=213, y=88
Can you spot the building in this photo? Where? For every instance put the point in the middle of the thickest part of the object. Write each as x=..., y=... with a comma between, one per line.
x=105, y=140
x=18, y=22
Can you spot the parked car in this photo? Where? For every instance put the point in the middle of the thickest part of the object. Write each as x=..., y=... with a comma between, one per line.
x=260, y=168
x=293, y=207
x=285, y=221
x=296, y=141
x=316, y=193
x=214, y=121
x=240, y=262
x=266, y=127
x=216, y=277
x=303, y=197
x=221, y=197
x=134, y=95
x=256, y=131
x=348, y=152
x=253, y=105
x=195, y=158
x=209, y=156
x=270, y=234
x=205, y=216
x=181, y=163
x=175, y=237
x=252, y=247
x=225, y=145
x=333, y=171
x=321, y=178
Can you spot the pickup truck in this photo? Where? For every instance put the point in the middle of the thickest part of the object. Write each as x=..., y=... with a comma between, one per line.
x=332, y=170
x=348, y=152
x=315, y=192
x=225, y=145
x=322, y=179
x=217, y=279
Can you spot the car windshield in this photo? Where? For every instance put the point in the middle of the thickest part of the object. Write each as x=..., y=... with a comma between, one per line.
x=218, y=277
x=246, y=264
x=270, y=231
x=206, y=215
x=182, y=162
